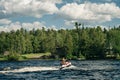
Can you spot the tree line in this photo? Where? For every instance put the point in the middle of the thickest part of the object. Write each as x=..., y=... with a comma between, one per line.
x=81, y=42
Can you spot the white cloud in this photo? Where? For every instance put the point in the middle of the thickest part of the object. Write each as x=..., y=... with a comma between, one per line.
x=17, y=25
x=89, y=12
x=104, y=9
x=69, y=23
x=9, y=27
x=35, y=25
x=35, y=8
x=28, y=26
x=4, y=21
x=53, y=27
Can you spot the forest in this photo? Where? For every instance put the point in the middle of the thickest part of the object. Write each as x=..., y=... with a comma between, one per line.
x=81, y=42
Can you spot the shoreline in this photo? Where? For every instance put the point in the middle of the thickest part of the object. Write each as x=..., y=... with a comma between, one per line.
x=53, y=59
x=46, y=56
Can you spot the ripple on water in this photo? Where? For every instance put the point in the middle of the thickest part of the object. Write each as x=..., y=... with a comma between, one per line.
x=40, y=70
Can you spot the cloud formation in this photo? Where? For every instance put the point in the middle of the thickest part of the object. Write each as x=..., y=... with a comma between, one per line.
x=28, y=26
x=86, y=12
x=4, y=21
x=17, y=25
x=90, y=12
x=35, y=8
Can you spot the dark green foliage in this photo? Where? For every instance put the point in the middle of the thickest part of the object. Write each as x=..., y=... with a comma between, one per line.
x=89, y=43
x=13, y=56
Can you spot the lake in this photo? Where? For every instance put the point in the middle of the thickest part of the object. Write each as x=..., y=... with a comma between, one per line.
x=49, y=70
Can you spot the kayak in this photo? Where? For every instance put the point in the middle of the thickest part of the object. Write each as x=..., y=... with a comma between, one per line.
x=65, y=65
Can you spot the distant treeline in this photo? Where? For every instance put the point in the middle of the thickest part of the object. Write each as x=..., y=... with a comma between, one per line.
x=81, y=42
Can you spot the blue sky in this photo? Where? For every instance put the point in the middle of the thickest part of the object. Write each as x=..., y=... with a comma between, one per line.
x=57, y=14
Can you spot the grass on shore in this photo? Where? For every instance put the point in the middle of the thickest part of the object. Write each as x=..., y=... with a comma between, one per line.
x=2, y=59
x=35, y=55
x=28, y=56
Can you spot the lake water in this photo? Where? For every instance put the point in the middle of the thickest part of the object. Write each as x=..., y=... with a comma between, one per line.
x=49, y=70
